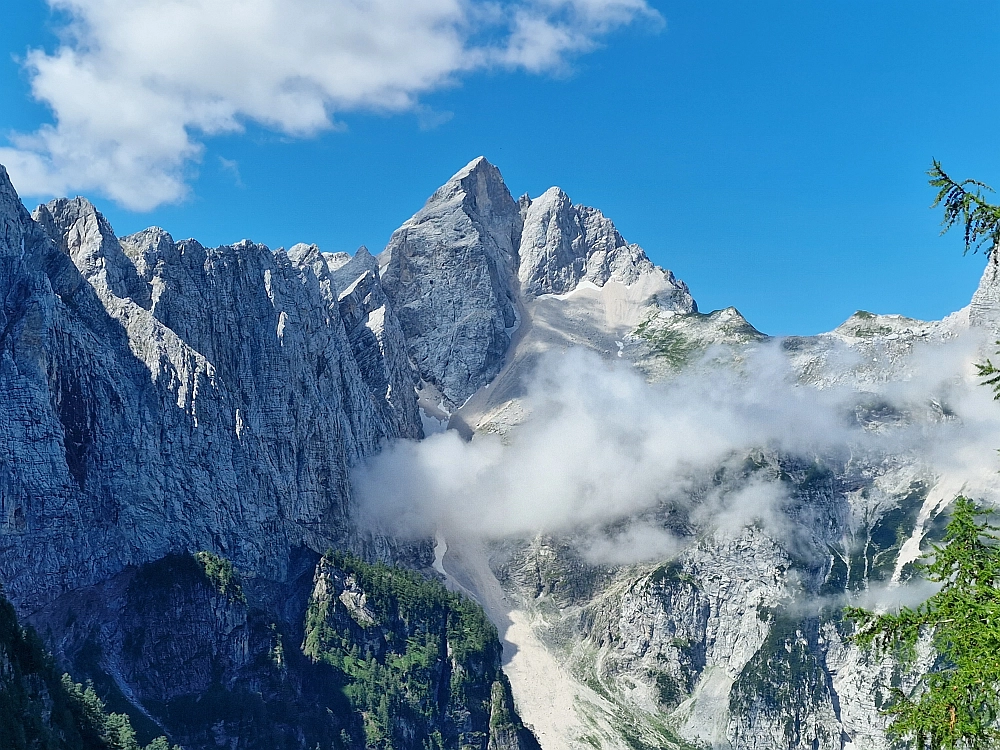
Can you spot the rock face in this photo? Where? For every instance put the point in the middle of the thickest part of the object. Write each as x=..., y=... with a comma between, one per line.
x=376, y=338
x=192, y=655
x=421, y=662
x=984, y=310
x=336, y=657
x=726, y=645
x=562, y=245
x=740, y=642
x=162, y=396
x=463, y=271
x=450, y=275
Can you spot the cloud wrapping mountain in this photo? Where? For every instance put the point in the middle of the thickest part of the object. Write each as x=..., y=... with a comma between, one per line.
x=136, y=87
x=602, y=447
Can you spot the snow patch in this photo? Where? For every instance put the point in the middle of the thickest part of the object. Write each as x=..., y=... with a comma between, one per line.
x=946, y=490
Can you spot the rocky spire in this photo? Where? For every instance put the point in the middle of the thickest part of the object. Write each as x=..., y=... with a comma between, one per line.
x=13, y=218
x=83, y=233
x=450, y=274
x=984, y=310
x=563, y=244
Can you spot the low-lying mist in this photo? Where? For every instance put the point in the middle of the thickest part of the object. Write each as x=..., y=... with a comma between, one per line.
x=603, y=449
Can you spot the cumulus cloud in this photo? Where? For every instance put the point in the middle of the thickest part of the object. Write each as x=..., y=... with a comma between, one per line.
x=604, y=452
x=136, y=85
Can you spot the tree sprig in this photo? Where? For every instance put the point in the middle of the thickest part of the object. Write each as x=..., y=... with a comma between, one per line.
x=990, y=374
x=964, y=204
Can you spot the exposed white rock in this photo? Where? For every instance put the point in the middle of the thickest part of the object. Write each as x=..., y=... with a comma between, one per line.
x=473, y=267
x=450, y=274
x=564, y=246
x=563, y=709
x=984, y=310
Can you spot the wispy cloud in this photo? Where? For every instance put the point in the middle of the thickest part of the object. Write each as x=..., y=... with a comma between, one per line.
x=137, y=85
x=602, y=446
x=233, y=167
x=604, y=452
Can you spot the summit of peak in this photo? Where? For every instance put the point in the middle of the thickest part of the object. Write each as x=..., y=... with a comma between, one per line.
x=6, y=186
x=478, y=162
x=63, y=217
x=78, y=205
x=554, y=194
x=58, y=215
x=479, y=165
x=451, y=272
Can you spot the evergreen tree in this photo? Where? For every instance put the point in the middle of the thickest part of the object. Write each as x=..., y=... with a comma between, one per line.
x=956, y=705
x=964, y=203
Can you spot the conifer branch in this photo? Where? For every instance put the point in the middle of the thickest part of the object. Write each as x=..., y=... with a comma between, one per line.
x=964, y=204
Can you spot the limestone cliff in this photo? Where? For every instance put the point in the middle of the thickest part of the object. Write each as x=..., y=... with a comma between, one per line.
x=341, y=655
x=450, y=274
x=158, y=396
x=564, y=244
x=465, y=272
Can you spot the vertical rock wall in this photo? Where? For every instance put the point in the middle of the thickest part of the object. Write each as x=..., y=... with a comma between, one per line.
x=161, y=396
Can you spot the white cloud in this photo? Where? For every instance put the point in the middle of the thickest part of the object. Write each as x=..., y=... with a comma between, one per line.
x=545, y=31
x=604, y=451
x=136, y=85
x=601, y=446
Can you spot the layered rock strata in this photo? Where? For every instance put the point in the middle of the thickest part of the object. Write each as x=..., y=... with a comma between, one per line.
x=161, y=396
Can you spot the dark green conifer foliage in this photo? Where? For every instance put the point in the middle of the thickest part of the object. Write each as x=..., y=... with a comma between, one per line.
x=991, y=376
x=39, y=710
x=964, y=204
x=955, y=706
x=981, y=223
x=222, y=574
x=422, y=668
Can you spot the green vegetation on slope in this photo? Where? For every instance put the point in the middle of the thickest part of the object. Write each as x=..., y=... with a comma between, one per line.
x=41, y=710
x=421, y=664
x=957, y=703
x=785, y=677
x=343, y=656
x=222, y=574
x=673, y=346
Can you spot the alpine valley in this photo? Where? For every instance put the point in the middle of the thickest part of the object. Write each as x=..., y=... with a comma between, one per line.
x=183, y=529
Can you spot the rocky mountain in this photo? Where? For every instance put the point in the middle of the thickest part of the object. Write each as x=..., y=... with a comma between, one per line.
x=563, y=245
x=179, y=426
x=461, y=272
x=738, y=641
x=341, y=654
x=171, y=396
x=161, y=398
x=449, y=272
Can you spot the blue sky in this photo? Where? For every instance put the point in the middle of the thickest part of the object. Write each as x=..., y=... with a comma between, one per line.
x=772, y=154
